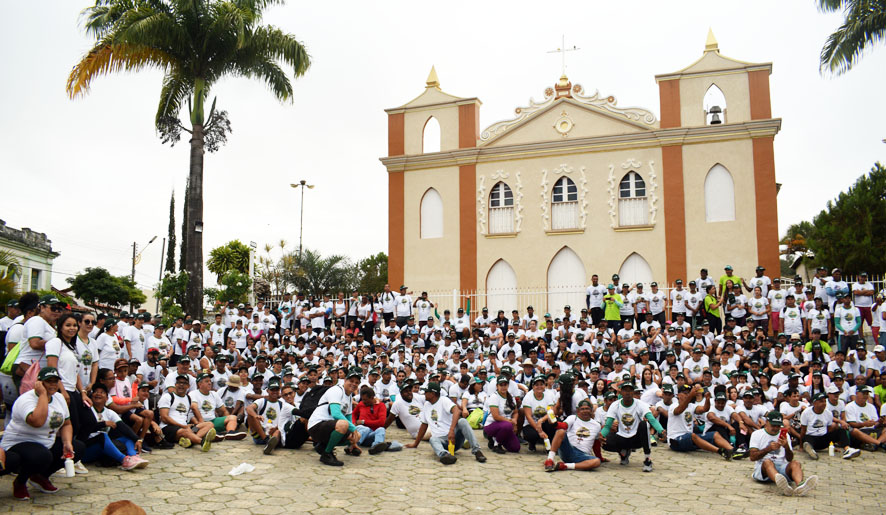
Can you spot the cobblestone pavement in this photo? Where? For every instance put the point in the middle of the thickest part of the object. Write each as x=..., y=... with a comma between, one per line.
x=411, y=481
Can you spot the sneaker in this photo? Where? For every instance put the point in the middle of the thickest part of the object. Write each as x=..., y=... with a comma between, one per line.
x=727, y=454
x=532, y=447
x=271, y=445
x=647, y=465
x=141, y=462
x=869, y=447
x=498, y=449
x=653, y=442
x=466, y=445
x=207, y=440
x=129, y=463
x=491, y=443
x=355, y=451
x=739, y=453
x=184, y=442
x=163, y=444
x=850, y=453
x=219, y=436
x=806, y=486
x=20, y=491
x=782, y=483
x=561, y=466
x=46, y=486
x=235, y=435
x=378, y=448
x=145, y=449
x=79, y=468
x=328, y=458
x=550, y=466
x=625, y=456
x=810, y=450
x=480, y=457
x=448, y=459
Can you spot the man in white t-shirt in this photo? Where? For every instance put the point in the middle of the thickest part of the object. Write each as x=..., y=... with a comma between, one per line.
x=407, y=408
x=208, y=406
x=863, y=295
x=330, y=422
x=594, y=299
x=632, y=433
x=575, y=444
x=818, y=429
x=864, y=421
x=177, y=416
x=773, y=457
x=448, y=429
x=681, y=416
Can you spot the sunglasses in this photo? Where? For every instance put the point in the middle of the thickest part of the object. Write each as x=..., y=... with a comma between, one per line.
x=56, y=309
x=89, y=322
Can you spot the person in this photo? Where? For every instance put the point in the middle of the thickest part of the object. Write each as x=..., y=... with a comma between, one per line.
x=261, y=416
x=290, y=429
x=537, y=425
x=632, y=432
x=208, y=406
x=773, y=457
x=819, y=428
x=369, y=416
x=407, y=409
x=449, y=430
x=99, y=443
x=39, y=330
x=500, y=427
x=866, y=426
x=61, y=354
x=329, y=424
x=575, y=442
x=681, y=416
x=38, y=436
x=176, y=415
x=712, y=305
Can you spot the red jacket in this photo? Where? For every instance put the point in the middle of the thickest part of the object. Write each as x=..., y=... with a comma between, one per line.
x=373, y=416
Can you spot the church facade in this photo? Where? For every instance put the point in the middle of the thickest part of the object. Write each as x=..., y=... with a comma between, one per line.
x=575, y=185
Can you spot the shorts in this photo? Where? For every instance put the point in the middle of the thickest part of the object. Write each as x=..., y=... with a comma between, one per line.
x=570, y=454
x=780, y=467
x=320, y=432
x=684, y=443
x=169, y=433
x=219, y=424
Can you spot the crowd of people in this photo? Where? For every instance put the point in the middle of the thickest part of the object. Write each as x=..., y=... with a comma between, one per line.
x=743, y=368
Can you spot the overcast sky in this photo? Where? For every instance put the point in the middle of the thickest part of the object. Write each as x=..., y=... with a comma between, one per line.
x=94, y=177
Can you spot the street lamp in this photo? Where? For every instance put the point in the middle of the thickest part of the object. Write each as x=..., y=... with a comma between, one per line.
x=136, y=258
x=303, y=183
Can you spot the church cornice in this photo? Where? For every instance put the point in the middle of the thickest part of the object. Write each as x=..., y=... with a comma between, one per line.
x=653, y=138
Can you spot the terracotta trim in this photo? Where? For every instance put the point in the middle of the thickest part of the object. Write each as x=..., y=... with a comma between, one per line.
x=396, y=228
x=396, y=134
x=467, y=227
x=765, y=191
x=758, y=91
x=468, y=125
x=669, y=102
x=674, y=212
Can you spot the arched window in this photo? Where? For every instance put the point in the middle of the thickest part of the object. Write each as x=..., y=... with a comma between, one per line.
x=431, y=215
x=714, y=106
x=501, y=287
x=566, y=279
x=431, y=136
x=719, y=195
x=564, y=205
x=501, y=209
x=635, y=269
x=632, y=203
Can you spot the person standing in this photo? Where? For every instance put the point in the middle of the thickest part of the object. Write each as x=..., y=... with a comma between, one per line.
x=594, y=299
x=863, y=298
x=847, y=321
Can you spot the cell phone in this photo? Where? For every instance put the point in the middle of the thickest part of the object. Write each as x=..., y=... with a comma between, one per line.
x=783, y=433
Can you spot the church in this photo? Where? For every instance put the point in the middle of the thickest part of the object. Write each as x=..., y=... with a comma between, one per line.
x=576, y=185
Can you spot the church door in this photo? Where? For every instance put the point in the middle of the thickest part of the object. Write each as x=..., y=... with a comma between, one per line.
x=566, y=283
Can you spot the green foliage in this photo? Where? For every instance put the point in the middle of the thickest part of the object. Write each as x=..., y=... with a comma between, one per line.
x=170, y=249
x=171, y=293
x=373, y=273
x=864, y=25
x=315, y=274
x=9, y=268
x=64, y=298
x=231, y=257
x=850, y=232
x=98, y=286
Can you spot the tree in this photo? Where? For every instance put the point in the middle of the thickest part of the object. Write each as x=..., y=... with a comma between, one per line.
x=235, y=286
x=64, y=298
x=9, y=269
x=864, y=24
x=171, y=292
x=850, y=232
x=315, y=274
x=170, y=250
x=195, y=43
x=231, y=257
x=98, y=286
x=373, y=273
x=183, y=250
x=794, y=241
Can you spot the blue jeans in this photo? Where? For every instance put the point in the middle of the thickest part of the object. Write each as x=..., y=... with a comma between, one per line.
x=370, y=437
x=463, y=433
x=106, y=448
x=570, y=454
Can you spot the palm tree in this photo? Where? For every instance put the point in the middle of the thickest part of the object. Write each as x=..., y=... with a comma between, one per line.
x=9, y=269
x=864, y=24
x=195, y=43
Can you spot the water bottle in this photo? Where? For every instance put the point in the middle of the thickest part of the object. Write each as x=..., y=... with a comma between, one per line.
x=69, y=465
x=551, y=415
x=452, y=448
x=547, y=444
x=831, y=449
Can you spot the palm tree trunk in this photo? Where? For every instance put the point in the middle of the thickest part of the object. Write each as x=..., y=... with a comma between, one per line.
x=194, y=296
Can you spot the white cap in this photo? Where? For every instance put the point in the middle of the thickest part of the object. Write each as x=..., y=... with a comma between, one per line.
x=511, y=333
x=527, y=361
x=879, y=348
x=795, y=337
x=832, y=388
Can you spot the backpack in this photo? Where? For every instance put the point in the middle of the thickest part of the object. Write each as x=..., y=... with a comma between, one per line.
x=311, y=401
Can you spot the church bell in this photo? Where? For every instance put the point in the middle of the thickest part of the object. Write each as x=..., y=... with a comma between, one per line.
x=715, y=115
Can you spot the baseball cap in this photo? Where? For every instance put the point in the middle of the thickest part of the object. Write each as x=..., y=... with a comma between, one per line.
x=774, y=418
x=819, y=396
x=433, y=387
x=832, y=389
x=47, y=373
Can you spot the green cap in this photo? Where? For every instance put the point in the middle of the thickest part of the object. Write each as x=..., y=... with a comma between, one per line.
x=203, y=376
x=775, y=419
x=47, y=373
x=819, y=396
x=49, y=300
x=355, y=372
x=433, y=387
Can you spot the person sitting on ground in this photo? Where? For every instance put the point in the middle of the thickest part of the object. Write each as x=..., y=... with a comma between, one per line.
x=866, y=426
x=448, y=429
x=234, y=396
x=632, y=432
x=38, y=436
x=407, y=409
x=501, y=423
x=369, y=416
x=208, y=406
x=99, y=445
x=329, y=424
x=773, y=457
x=681, y=415
x=176, y=417
x=290, y=430
x=819, y=429
x=538, y=425
x=261, y=416
x=124, y=399
x=575, y=443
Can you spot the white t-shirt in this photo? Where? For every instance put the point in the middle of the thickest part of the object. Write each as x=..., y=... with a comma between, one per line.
x=108, y=350
x=725, y=416
x=760, y=439
x=88, y=354
x=856, y=413
x=408, y=412
x=679, y=425
x=596, y=294
x=678, y=300
x=539, y=407
x=495, y=399
x=438, y=416
x=847, y=317
x=106, y=414
x=151, y=373
x=67, y=362
x=35, y=327
x=207, y=404
x=230, y=396
x=582, y=434
x=793, y=320
x=18, y=430
x=816, y=424
x=629, y=418
x=863, y=301
x=334, y=395
x=179, y=408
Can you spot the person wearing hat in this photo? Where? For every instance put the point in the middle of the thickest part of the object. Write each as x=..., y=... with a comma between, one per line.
x=13, y=315
x=37, y=331
x=866, y=430
x=407, y=409
x=749, y=418
x=632, y=432
x=536, y=407
x=773, y=457
x=847, y=322
x=448, y=428
x=37, y=436
x=183, y=367
x=177, y=420
x=818, y=428
x=208, y=406
x=233, y=396
x=501, y=425
x=681, y=417
x=261, y=416
x=575, y=443
x=728, y=275
x=761, y=280
x=330, y=424
x=835, y=287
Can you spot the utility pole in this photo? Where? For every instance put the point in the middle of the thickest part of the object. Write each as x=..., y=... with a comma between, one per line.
x=135, y=259
x=134, y=246
x=252, y=247
x=160, y=277
x=303, y=184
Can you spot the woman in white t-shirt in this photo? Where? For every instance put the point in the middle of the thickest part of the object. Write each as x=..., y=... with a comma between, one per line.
x=472, y=403
x=501, y=423
x=39, y=330
x=61, y=354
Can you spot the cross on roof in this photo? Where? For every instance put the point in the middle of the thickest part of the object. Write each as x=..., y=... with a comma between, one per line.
x=562, y=51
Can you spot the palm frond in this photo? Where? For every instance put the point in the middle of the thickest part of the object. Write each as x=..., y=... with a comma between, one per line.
x=864, y=26
x=176, y=88
x=829, y=6
x=269, y=40
x=106, y=58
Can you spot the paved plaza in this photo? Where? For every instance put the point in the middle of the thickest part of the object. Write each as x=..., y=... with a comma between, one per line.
x=411, y=481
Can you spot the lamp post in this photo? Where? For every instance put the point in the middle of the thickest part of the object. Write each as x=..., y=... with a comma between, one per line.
x=252, y=247
x=136, y=258
x=303, y=184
